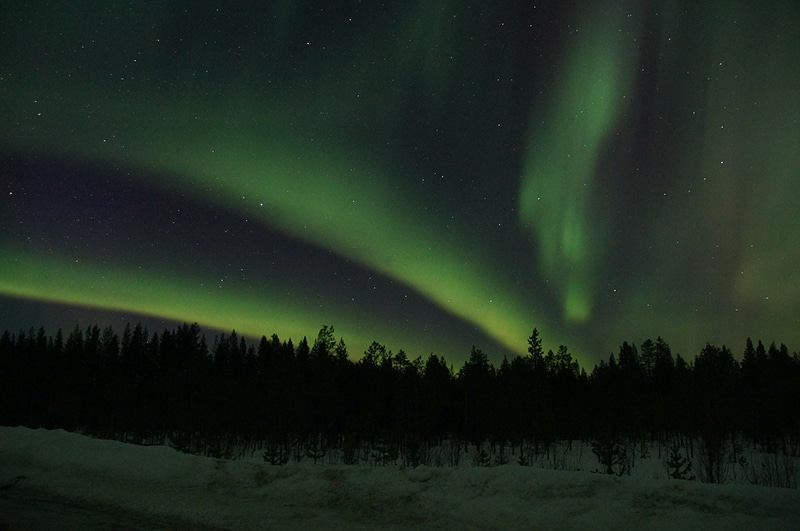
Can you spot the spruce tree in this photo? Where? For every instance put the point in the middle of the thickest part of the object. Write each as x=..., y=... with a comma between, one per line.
x=678, y=466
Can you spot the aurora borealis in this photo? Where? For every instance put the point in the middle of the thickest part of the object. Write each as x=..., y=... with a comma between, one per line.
x=430, y=175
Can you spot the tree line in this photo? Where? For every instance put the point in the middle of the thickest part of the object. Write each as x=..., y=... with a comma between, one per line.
x=173, y=385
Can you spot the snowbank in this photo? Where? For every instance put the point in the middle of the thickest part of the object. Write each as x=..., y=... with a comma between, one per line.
x=71, y=481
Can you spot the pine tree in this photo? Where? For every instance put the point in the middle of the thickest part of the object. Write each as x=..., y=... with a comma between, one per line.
x=678, y=466
x=482, y=458
x=611, y=454
x=276, y=454
x=535, y=349
x=316, y=450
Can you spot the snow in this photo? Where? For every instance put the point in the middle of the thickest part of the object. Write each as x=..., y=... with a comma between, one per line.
x=71, y=481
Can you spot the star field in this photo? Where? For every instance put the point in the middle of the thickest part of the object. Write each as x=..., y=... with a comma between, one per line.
x=430, y=176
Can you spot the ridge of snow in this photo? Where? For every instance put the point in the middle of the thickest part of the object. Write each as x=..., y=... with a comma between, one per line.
x=69, y=479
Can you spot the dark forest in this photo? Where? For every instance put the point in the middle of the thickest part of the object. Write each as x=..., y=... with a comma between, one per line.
x=292, y=401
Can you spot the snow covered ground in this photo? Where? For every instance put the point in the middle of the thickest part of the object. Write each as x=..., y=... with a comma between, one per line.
x=60, y=480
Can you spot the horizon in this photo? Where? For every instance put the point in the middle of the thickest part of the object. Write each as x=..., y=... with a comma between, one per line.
x=454, y=360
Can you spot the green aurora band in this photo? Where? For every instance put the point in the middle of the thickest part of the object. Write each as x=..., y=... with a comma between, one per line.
x=563, y=151
x=262, y=158
x=149, y=292
x=318, y=194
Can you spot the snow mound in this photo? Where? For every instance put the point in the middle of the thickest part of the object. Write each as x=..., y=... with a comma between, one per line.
x=59, y=480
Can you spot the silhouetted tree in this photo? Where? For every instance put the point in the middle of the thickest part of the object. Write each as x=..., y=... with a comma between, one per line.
x=476, y=381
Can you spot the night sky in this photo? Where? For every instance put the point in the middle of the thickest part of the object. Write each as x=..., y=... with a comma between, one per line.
x=428, y=174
